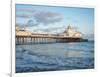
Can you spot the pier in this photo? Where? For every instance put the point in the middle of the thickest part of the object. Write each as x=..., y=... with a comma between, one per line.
x=45, y=39
x=69, y=35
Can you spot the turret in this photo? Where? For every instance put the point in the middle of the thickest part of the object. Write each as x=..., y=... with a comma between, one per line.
x=71, y=32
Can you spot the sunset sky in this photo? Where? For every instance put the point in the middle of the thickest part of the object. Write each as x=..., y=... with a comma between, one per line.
x=53, y=19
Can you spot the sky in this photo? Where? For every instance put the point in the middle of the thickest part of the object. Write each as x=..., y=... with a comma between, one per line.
x=54, y=19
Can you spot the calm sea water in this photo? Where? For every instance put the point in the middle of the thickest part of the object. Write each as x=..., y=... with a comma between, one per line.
x=54, y=56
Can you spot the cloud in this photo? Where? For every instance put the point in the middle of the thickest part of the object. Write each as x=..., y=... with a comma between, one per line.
x=42, y=30
x=25, y=13
x=32, y=22
x=47, y=17
x=48, y=29
x=39, y=17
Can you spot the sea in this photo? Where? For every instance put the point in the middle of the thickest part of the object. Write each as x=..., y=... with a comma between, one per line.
x=54, y=57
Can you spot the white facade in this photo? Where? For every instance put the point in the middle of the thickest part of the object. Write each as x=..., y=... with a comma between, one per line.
x=71, y=32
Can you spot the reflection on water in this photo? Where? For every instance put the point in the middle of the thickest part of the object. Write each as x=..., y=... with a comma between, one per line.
x=37, y=57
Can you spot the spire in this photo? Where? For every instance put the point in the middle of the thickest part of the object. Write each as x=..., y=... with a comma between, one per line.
x=69, y=27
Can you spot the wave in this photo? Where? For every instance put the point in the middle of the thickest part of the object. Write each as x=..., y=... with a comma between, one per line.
x=28, y=61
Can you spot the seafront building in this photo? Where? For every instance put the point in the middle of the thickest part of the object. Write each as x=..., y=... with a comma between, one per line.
x=69, y=32
x=69, y=35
